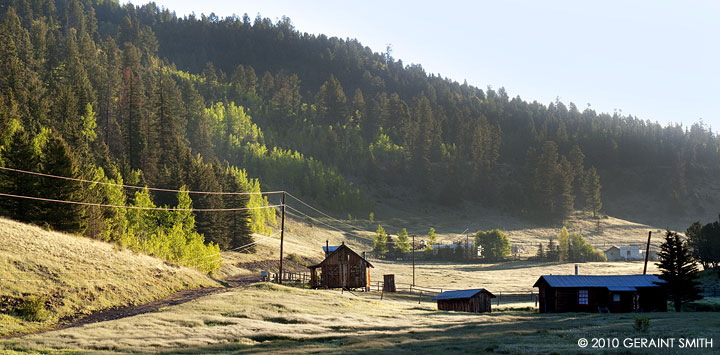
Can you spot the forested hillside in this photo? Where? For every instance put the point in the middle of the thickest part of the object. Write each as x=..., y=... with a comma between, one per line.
x=101, y=91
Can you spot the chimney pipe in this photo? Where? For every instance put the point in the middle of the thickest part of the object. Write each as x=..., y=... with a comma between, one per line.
x=327, y=247
x=577, y=267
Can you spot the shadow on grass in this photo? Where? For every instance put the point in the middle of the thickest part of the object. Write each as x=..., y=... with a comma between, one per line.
x=502, y=332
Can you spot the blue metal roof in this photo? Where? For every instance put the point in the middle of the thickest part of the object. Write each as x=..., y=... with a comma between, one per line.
x=449, y=295
x=611, y=282
x=332, y=249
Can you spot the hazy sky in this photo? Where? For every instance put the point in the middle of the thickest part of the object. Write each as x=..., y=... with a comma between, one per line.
x=658, y=60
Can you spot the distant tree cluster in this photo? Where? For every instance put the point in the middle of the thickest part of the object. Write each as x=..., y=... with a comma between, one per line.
x=494, y=243
x=569, y=248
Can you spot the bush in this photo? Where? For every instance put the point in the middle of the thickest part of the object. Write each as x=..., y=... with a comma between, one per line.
x=33, y=309
x=641, y=324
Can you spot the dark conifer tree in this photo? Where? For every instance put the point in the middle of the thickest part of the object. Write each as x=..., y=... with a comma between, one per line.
x=21, y=157
x=678, y=270
x=238, y=222
x=58, y=159
x=591, y=190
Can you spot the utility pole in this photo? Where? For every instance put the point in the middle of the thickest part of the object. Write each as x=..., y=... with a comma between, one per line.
x=282, y=237
x=413, y=257
x=467, y=246
x=647, y=253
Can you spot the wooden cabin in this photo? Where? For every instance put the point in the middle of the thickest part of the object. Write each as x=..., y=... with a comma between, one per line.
x=608, y=293
x=474, y=301
x=342, y=268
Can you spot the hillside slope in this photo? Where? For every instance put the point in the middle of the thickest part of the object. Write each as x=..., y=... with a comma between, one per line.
x=77, y=276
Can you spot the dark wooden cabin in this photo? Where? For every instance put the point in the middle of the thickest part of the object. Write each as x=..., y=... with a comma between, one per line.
x=611, y=293
x=342, y=268
x=474, y=301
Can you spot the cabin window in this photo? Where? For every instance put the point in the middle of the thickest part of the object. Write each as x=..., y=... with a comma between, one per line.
x=583, y=297
x=616, y=298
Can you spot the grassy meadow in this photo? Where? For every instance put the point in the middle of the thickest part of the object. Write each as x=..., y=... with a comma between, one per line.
x=268, y=318
x=79, y=276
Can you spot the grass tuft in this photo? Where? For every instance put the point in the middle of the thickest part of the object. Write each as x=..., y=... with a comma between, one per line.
x=33, y=309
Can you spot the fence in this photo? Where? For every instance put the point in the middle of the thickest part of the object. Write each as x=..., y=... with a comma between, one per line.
x=301, y=277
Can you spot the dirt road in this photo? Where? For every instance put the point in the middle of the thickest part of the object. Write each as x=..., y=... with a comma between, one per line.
x=176, y=298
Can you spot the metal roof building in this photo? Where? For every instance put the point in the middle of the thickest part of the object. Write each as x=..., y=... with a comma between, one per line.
x=474, y=300
x=600, y=293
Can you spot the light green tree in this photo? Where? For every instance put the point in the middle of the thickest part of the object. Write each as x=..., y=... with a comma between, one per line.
x=432, y=238
x=89, y=124
x=563, y=244
x=403, y=242
x=380, y=242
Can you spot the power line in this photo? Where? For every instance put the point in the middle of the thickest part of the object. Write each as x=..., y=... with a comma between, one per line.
x=321, y=222
x=139, y=187
x=325, y=214
x=138, y=207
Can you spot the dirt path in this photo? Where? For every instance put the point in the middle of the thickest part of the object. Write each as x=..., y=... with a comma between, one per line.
x=176, y=298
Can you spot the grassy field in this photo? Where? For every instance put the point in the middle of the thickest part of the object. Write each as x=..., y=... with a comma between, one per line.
x=513, y=276
x=76, y=276
x=79, y=276
x=267, y=318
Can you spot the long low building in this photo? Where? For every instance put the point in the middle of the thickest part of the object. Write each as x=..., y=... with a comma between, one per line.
x=475, y=301
x=606, y=293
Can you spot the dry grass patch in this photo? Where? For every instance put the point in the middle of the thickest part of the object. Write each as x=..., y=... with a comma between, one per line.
x=74, y=275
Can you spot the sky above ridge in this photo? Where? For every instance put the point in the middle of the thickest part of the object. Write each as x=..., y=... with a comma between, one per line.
x=656, y=60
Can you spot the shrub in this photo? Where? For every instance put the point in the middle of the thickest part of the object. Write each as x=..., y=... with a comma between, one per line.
x=641, y=324
x=33, y=309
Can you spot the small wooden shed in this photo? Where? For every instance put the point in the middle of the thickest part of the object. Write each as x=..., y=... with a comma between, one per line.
x=475, y=301
x=342, y=268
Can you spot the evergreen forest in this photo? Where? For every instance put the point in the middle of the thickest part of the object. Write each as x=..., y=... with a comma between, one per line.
x=135, y=95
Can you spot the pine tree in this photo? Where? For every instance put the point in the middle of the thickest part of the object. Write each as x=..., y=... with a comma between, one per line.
x=58, y=159
x=168, y=111
x=564, y=196
x=211, y=224
x=238, y=222
x=591, y=189
x=20, y=155
x=432, y=238
x=403, y=242
x=678, y=270
x=131, y=107
x=545, y=182
x=380, y=242
x=540, y=253
x=331, y=102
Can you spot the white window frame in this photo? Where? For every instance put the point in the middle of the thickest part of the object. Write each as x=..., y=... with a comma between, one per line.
x=583, y=297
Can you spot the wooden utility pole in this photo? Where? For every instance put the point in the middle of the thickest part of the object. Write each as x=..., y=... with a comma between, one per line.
x=647, y=253
x=467, y=246
x=413, y=257
x=282, y=237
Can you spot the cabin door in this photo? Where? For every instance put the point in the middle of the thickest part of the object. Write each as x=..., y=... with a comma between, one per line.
x=334, y=276
x=615, y=303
